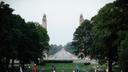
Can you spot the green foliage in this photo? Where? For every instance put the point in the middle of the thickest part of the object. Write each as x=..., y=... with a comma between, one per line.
x=33, y=42
x=105, y=32
x=83, y=37
x=109, y=29
x=54, y=48
x=108, y=33
x=123, y=36
x=70, y=48
x=19, y=40
x=105, y=28
x=123, y=52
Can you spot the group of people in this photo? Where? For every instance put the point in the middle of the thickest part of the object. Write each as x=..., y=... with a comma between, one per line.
x=75, y=70
x=34, y=68
x=53, y=69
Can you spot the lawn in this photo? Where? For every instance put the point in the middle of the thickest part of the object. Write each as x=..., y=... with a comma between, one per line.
x=65, y=67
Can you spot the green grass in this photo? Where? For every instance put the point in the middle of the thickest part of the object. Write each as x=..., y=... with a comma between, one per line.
x=67, y=67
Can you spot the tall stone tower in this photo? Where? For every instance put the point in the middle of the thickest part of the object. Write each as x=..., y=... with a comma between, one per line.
x=44, y=21
x=81, y=19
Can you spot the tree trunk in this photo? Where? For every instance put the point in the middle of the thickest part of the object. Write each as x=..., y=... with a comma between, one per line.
x=109, y=65
x=22, y=64
x=2, y=69
x=7, y=64
x=12, y=65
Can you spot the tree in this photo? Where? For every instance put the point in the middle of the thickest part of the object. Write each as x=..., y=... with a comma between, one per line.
x=32, y=44
x=54, y=48
x=108, y=26
x=105, y=34
x=43, y=39
x=19, y=40
x=83, y=37
x=9, y=34
x=70, y=48
x=122, y=6
x=123, y=52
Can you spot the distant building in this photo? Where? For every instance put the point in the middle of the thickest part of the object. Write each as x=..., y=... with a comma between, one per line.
x=44, y=25
x=44, y=21
x=81, y=19
x=63, y=55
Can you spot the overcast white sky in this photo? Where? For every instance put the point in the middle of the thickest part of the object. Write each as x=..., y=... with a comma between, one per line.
x=62, y=15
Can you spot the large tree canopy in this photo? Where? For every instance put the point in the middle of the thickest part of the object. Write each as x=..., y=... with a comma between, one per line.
x=19, y=40
x=109, y=29
x=108, y=35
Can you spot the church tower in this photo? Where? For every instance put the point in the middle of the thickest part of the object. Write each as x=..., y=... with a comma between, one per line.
x=81, y=19
x=44, y=21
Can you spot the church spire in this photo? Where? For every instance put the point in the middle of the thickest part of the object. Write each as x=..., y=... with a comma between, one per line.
x=44, y=21
x=81, y=19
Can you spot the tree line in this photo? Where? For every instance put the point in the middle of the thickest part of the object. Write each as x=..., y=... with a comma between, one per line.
x=54, y=49
x=105, y=36
x=20, y=40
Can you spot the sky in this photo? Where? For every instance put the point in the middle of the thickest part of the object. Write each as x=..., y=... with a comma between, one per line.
x=62, y=15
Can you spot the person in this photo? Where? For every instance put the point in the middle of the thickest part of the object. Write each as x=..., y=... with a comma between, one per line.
x=73, y=70
x=21, y=69
x=53, y=68
x=77, y=68
x=54, y=71
x=34, y=68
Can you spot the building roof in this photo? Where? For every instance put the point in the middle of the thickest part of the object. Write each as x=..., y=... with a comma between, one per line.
x=64, y=55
